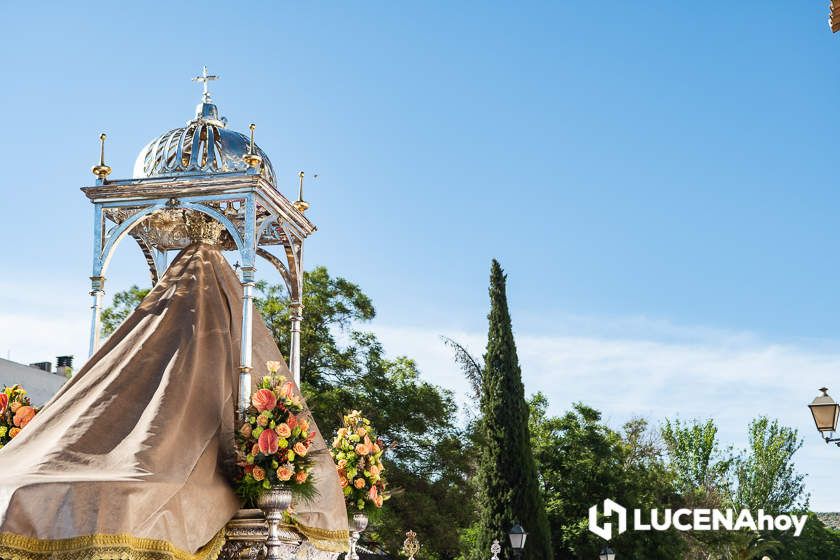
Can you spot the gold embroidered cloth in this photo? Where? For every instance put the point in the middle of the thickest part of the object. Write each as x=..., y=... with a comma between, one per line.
x=128, y=459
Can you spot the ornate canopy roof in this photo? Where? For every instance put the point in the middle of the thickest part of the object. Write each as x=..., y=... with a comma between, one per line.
x=204, y=146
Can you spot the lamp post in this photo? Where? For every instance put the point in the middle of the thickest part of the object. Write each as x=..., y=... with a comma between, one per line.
x=517, y=536
x=825, y=412
x=607, y=554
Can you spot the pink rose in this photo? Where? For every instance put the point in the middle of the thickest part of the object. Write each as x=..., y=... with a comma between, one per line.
x=23, y=416
x=292, y=421
x=264, y=399
x=300, y=449
x=283, y=430
x=287, y=389
x=373, y=493
x=268, y=442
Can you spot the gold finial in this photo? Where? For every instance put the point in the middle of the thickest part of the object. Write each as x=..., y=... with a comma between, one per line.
x=300, y=204
x=252, y=158
x=101, y=170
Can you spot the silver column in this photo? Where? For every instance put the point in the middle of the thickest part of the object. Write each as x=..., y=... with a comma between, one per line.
x=97, y=290
x=246, y=340
x=294, y=350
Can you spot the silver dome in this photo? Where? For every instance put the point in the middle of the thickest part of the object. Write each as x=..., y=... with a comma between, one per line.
x=203, y=146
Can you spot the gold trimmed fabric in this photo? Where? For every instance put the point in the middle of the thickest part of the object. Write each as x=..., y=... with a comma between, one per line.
x=322, y=539
x=138, y=445
x=102, y=547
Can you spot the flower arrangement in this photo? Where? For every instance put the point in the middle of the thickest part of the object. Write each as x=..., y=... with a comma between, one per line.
x=273, y=443
x=16, y=411
x=357, y=452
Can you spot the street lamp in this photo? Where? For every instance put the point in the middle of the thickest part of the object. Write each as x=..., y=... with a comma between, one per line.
x=607, y=554
x=517, y=536
x=825, y=412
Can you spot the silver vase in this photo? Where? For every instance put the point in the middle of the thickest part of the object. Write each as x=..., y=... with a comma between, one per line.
x=358, y=523
x=274, y=502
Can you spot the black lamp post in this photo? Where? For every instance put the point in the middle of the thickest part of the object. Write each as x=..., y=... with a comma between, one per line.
x=825, y=412
x=607, y=554
x=517, y=536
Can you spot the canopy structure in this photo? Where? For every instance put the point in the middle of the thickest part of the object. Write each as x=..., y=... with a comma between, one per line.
x=130, y=459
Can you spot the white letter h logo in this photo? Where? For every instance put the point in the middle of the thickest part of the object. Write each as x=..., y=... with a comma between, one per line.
x=610, y=508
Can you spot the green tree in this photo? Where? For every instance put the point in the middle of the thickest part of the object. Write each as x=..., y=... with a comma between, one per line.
x=701, y=469
x=344, y=367
x=123, y=305
x=507, y=475
x=581, y=462
x=766, y=476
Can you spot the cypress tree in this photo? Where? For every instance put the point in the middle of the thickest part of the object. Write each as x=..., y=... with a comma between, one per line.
x=508, y=490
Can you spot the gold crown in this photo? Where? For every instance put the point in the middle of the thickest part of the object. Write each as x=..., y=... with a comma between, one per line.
x=203, y=229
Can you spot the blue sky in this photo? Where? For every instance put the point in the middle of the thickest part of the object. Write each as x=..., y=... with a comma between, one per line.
x=657, y=178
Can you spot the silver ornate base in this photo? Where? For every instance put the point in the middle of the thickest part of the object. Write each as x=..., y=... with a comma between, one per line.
x=246, y=535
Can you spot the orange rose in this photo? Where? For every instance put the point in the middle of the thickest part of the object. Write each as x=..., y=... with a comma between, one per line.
x=4, y=402
x=342, y=463
x=13, y=432
x=359, y=483
x=377, y=501
x=268, y=442
x=283, y=430
x=343, y=481
x=292, y=421
x=304, y=425
x=14, y=406
x=301, y=477
x=300, y=449
x=23, y=416
x=258, y=473
x=373, y=470
x=361, y=432
x=362, y=449
x=285, y=472
x=245, y=430
x=255, y=449
x=262, y=420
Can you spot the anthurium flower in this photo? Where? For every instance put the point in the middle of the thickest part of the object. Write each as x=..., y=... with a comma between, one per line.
x=264, y=399
x=268, y=442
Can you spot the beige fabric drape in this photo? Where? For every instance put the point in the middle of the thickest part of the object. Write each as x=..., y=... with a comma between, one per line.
x=128, y=458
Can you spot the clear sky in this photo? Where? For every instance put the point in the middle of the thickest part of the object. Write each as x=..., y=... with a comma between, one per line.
x=657, y=178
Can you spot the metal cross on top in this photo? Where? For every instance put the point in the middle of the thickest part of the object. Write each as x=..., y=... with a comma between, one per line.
x=205, y=78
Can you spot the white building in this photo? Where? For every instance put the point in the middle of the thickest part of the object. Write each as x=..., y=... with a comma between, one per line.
x=40, y=384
